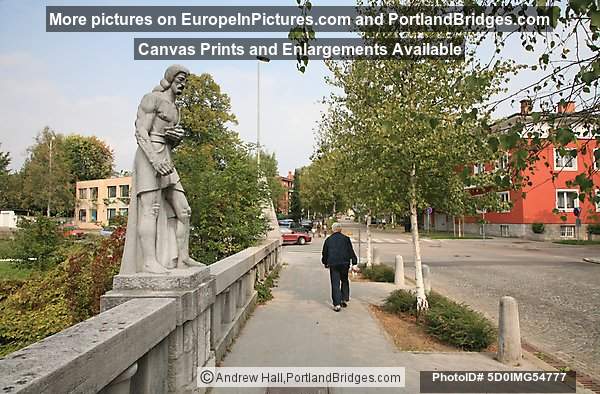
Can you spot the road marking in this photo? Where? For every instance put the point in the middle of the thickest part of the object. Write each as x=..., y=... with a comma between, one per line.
x=381, y=240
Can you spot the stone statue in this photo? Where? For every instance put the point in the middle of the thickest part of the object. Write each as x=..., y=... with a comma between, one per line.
x=158, y=226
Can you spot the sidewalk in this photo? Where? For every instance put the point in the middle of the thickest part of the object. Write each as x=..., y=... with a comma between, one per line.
x=299, y=328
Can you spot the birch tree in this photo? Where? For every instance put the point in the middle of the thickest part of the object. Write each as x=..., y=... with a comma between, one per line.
x=403, y=129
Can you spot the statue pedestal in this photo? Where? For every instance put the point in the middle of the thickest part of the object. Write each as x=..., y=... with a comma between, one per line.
x=193, y=290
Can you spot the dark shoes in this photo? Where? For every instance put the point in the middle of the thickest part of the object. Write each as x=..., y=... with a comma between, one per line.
x=344, y=304
x=337, y=308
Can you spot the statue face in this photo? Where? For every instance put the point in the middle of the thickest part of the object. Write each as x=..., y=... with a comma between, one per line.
x=179, y=83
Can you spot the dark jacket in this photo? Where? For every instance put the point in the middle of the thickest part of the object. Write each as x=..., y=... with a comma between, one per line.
x=337, y=250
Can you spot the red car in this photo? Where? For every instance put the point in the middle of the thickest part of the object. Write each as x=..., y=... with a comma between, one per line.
x=70, y=231
x=290, y=236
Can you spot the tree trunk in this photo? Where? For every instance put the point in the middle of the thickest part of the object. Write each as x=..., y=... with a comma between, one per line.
x=369, y=247
x=454, y=226
x=422, y=304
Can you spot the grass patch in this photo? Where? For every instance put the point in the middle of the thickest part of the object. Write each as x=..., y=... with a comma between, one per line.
x=448, y=321
x=580, y=242
x=264, y=288
x=12, y=272
x=378, y=273
x=6, y=248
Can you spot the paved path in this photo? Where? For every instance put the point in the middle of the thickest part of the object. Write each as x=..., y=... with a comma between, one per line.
x=558, y=293
x=298, y=328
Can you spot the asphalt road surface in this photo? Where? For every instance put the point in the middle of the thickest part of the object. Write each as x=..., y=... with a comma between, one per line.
x=558, y=293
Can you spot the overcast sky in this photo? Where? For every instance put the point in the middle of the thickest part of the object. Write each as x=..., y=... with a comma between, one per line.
x=88, y=83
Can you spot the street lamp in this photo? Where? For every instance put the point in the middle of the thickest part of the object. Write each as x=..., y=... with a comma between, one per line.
x=261, y=59
x=52, y=136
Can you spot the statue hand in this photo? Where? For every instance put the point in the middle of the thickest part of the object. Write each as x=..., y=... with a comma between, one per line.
x=164, y=167
x=174, y=133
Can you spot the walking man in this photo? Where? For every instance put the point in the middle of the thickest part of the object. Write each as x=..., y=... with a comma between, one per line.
x=338, y=254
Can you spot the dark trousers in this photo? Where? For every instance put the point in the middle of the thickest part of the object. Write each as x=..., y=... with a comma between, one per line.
x=339, y=276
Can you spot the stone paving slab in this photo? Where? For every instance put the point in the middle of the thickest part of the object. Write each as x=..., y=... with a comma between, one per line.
x=298, y=328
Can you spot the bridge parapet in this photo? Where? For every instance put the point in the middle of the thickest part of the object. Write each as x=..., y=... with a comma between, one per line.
x=153, y=333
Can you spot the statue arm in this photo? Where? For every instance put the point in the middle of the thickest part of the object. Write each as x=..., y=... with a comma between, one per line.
x=145, y=118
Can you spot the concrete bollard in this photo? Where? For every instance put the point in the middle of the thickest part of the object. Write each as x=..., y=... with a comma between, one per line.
x=399, y=271
x=509, y=332
x=376, y=256
x=426, y=278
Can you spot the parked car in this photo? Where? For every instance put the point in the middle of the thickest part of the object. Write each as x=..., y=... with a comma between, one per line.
x=294, y=236
x=307, y=224
x=107, y=231
x=71, y=231
x=286, y=223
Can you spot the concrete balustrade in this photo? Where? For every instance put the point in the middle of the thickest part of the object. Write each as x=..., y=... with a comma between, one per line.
x=153, y=333
x=88, y=356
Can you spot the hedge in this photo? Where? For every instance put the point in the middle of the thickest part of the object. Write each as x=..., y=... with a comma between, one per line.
x=448, y=321
x=378, y=273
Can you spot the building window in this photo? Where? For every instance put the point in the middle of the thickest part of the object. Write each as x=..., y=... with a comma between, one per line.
x=93, y=193
x=82, y=194
x=111, y=213
x=82, y=215
x=567, y=200
x=124, y=190
x=123, y=211
x=504, y=230
x=112, y=191
x=567, y=162
x=505, y=200
x=502, y=162
x=94, y=215
x=478, y=169
x=567, y=231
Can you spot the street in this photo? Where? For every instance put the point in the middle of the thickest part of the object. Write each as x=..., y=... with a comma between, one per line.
x=558, y=293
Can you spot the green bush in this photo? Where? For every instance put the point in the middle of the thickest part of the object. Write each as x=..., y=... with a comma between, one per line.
x=460, y=326
x=38, y=242
x=537, y=228
x=65, y=294
x=263, y=288
x=378, y=273
x=594, y=229
x=401, y=301
x=450, y=322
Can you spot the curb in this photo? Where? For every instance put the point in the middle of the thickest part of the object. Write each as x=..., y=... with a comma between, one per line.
x=549, y=361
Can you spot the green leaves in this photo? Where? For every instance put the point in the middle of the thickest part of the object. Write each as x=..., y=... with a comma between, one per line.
x=219, y=174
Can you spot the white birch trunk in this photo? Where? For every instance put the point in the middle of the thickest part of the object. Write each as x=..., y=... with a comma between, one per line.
x=422, y=304
x=454, y=226
x=369, y=247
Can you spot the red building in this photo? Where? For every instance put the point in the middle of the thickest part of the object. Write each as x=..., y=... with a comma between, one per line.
x=283, y=205
x=549, y=190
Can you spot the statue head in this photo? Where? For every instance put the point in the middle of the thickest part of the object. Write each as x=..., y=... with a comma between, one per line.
x=175, y=79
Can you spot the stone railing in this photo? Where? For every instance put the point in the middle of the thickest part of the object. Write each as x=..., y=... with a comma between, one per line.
x=153, y=333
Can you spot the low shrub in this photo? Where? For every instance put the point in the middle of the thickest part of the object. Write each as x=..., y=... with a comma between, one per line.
x=378, y=273
x=263, y=289
x=537, y=228
x=38, y=243
x=450, y=322
x=52, y=300
x=593, y=228
x=460, y=326
x=401, y=301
